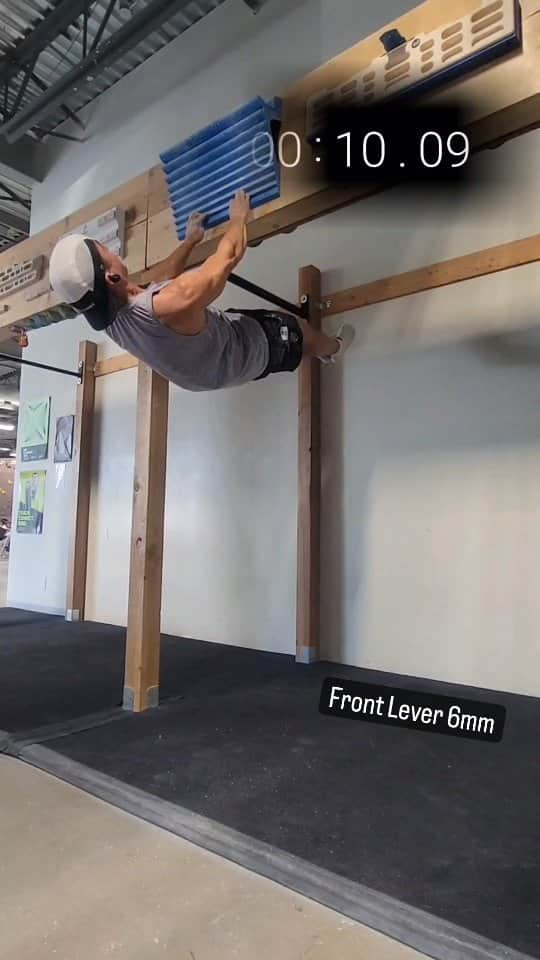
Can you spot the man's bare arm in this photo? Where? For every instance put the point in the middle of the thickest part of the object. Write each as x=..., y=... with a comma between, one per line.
x=180, y=305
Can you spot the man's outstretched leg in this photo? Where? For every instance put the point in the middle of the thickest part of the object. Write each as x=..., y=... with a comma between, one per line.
x=173, y=325
x=292, y=339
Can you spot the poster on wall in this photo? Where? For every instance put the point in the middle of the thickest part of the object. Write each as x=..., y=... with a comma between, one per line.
x=35, y=430
x=31, y=501
x=63, y=441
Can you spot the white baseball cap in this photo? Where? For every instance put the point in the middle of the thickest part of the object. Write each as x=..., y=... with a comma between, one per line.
x=77, y=276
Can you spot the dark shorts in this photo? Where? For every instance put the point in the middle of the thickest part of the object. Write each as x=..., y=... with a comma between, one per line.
x=285, y=340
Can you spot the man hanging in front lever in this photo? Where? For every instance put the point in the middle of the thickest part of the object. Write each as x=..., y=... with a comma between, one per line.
x=172, y=324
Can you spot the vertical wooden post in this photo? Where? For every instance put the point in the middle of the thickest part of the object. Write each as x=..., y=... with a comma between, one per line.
x=82, y=469
x=141, y=683
x=309, y=484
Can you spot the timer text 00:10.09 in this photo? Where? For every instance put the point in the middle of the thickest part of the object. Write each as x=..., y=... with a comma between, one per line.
x=349, y=150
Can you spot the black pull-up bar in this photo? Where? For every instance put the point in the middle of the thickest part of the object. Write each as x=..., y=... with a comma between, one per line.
x=302, y=311
x=42, y=366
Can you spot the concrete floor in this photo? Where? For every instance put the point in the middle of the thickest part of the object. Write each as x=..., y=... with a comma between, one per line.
x=80, y=880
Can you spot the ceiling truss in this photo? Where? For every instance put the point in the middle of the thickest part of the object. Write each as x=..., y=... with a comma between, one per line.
x=87, y=41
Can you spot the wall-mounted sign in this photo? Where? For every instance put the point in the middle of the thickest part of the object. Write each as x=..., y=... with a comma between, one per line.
x=31, y=501
x=451, y=51
x=63, y=441
x=108, y=228
x=21, y=275
x=34, y=429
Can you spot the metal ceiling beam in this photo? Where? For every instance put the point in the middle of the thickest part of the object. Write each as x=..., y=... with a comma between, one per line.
x=58, y=20
x=13, y=222
x=102, y=27
x=69, y=113
x=147, y=20
x=27, y=71
x=10, y=194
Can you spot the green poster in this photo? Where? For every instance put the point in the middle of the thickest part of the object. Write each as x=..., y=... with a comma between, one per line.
x=31, y=501
x=35, y=430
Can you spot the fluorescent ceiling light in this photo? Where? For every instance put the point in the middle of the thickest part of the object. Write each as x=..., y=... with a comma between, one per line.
x=7, y=426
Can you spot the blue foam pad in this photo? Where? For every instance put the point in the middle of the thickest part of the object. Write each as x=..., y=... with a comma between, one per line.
x=204, y=172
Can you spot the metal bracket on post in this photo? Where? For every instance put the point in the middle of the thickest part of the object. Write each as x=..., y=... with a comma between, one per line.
x=81, y=371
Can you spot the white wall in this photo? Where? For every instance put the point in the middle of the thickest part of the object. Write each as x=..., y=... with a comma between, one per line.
x=431, y=436
x=38, y=563
x=110, y=500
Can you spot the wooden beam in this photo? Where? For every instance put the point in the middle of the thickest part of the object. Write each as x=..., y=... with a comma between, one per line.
x=82, y=470
x=123, y=361
x=518, y=253
x=141, y=685
x=274, y=218
x=309, y=485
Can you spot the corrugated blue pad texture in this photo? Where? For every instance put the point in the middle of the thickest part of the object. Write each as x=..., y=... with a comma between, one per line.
x=204, y=172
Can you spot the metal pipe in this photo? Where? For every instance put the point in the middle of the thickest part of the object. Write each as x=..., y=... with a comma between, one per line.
x=293, y=308
x=85, y=33
x=65, y=110
x=102, y=27
x=23, y=85
x=54, y=23
x=42, y=366
x=148, y=19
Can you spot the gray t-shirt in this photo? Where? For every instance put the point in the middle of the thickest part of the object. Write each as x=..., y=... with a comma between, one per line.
x=232, y=349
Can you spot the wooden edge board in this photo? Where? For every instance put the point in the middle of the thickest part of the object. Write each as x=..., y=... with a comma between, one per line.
x=276, y=221
x=482, y=263
x=124, y=361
